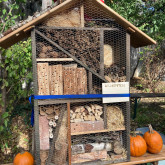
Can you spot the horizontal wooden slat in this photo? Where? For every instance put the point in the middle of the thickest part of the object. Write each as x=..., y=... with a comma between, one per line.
x=93, y=132
x=60, y=101
x=53, y=59
x=145, y=158
x=80, y=28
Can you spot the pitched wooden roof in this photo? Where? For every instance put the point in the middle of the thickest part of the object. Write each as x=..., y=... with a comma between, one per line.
x=138, y=38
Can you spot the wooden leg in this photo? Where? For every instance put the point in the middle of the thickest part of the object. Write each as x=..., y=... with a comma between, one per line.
x=155, y=163
x=69, y=134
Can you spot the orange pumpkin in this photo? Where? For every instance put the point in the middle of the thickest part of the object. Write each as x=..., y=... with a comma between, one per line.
x=138, y=146
x=154, y=141
x=24, y=158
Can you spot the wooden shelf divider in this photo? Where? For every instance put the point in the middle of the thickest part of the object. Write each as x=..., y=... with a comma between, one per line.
x=54, y=59
x=98, y=131
x=61, y=101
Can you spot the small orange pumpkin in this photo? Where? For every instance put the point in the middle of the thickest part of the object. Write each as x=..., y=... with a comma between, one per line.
x=138, y=146
x=154, y=141
x=24, y=158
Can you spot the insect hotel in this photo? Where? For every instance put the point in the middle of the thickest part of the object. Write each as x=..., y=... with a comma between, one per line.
x=76, y=47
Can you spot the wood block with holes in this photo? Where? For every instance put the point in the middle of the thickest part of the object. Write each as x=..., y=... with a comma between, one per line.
x=81, y=81
x=56, y=79
x=97, y=155
x=44, y=133
x=43, y=78
x=87, y=126
x=70, y=79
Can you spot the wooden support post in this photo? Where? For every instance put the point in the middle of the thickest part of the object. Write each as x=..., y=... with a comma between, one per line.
x=128, y=103
x=90, y=83
x=36, y=110
x=105, y=115
x=69, y=135
x=128, y=57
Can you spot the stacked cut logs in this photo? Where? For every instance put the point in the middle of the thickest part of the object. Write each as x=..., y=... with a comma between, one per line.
x=52, y=114
x=90, y=112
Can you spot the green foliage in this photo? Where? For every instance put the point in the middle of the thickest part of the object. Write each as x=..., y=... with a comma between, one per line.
x=18, y=66
x=149, y=112
x=16, y=60
x=149, y=16
x=16, y=63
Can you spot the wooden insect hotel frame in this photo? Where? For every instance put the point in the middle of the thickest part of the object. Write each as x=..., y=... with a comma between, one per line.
x=74, y=52
x=76, y=47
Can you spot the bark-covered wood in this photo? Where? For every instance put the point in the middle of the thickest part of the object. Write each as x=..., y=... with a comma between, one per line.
x=61, y=144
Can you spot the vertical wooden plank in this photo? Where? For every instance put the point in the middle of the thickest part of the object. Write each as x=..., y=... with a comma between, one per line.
x=70, y=79
x=36, y=111
x=90, y=83
x=69, y=135
x=82, y=15
x=56, y=79
x=128, y=103
x=43, y=78
x=81, y=81
x=128, y=57
x=105, y=115
x=102, y=53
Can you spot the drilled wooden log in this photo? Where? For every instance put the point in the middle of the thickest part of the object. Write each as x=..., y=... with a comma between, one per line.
x=81, y=81
x=43, y=78
x=70, y=79
x=56, y=79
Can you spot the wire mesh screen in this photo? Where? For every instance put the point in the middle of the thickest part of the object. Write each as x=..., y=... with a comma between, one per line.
x=97, y=133
x=77, y=50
